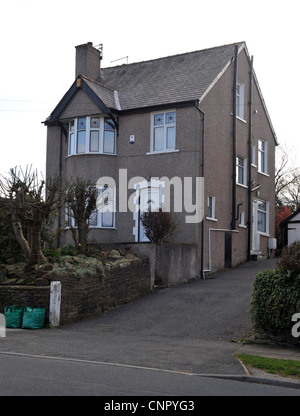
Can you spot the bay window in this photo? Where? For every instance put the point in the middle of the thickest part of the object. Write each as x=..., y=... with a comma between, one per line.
x=92, y=135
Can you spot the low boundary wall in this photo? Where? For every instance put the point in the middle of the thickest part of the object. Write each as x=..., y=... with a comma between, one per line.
x=86, y=296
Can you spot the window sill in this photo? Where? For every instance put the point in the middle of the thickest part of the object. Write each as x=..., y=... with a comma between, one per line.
x=241, y=119
x=102, y=228
x=159, y=152
x=91, y=227
x=94, y=154
x=263, y=234
x=243, y=226
x=242, y=185
x=211, y=219
x=263, y=173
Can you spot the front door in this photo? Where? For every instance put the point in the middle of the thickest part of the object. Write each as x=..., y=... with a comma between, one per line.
x=149, y=197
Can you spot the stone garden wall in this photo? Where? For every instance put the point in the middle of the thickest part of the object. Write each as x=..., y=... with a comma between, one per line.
x=88, y=287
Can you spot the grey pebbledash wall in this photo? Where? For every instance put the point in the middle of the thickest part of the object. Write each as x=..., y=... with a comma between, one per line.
x=87, y=296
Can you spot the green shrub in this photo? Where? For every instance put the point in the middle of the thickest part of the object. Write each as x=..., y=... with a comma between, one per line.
x=68, y=250
x=275, y=299
x=289, y=263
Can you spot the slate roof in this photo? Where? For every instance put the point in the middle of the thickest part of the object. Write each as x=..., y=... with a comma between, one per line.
x=170, y=80
x=165, y=81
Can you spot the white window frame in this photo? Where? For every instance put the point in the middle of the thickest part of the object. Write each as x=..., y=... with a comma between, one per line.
x=253, y=156
x=165, y=126
x=101, y=135
x=110, y=193
x=240, y=100
x=267, y=216
x=105, y=193
x=242, y=223
x=262, y=155
x=243, y=167
x=211, y=208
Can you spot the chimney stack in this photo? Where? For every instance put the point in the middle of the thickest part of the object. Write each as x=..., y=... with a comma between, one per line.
x=88, y=61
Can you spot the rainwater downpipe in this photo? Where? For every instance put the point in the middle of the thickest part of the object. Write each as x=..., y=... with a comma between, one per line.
x=202, y=172
x=249, y=162
x=234, y=139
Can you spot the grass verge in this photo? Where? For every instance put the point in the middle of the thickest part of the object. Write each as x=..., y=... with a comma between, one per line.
x=284, y=368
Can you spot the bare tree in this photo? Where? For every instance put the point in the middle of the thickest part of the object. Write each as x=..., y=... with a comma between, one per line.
x=30, y=202
x=158, y=225
x=287, y=180
x=81, y=197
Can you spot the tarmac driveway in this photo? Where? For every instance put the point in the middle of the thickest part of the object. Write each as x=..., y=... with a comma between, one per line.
x=190, y=328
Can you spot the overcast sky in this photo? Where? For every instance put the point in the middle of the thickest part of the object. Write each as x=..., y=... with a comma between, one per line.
x=38, y=40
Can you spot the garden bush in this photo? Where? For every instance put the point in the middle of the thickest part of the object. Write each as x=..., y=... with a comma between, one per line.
x=275, y=299
x=289, y=263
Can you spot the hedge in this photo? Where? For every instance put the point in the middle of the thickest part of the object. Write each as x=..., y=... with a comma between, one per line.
x=275, y=299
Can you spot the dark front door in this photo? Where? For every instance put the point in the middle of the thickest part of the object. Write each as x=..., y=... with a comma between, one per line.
x=228, y=250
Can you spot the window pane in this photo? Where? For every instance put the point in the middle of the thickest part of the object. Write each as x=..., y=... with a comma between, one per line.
x=261, y=161
x=241, y=175
x=107, y=219
x=159, y=119
x=109, y=124
x=72, y=144
x=261, y=222
x=81, y=123
x=210, y=208
x=171, y=137
x=109, y=142
x=81, y=139
x=261, y=145
x=72, y=125
x=93, y=218
x=94, y=141
x=107, y=207
x=158, y=142
x=171, y=118
x=95, y=122
x=262, y=206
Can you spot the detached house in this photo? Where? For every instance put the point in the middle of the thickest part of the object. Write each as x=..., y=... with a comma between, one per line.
x=167, y=122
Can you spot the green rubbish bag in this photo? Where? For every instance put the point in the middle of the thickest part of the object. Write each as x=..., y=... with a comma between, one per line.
x=13, y=316
x=33, y=318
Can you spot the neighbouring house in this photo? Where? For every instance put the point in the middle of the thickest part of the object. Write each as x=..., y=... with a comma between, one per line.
x=150, y=129
x=290, y=228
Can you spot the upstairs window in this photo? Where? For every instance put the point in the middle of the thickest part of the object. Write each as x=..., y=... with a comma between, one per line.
x=211, y=205
x=163, y=133
x=241, y=171
x=262, y=156
x=240, y=100
x=92, y=135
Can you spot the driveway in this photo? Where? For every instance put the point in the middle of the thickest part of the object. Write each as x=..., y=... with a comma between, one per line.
x=190, y=328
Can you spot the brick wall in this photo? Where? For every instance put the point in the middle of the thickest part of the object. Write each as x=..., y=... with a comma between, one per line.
x=86, y=296
x=32, y=296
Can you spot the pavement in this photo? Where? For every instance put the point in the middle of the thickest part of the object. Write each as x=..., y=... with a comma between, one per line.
x=193, y=328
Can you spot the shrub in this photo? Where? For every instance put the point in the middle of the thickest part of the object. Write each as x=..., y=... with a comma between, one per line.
x=289, y=263
x=158, y=225
x=275, y=299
